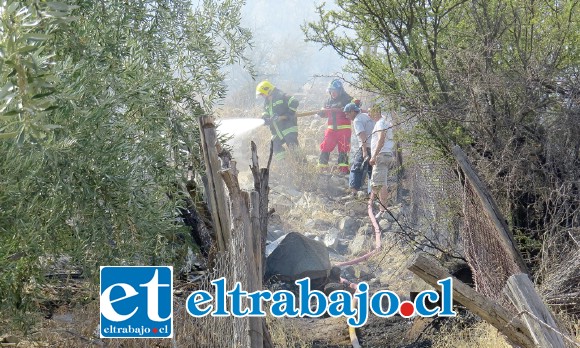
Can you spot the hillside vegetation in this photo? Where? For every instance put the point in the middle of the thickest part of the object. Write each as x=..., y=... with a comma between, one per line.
x=100, y=146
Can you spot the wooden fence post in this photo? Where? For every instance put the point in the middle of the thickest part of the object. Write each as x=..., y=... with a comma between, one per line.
x=542, y=327
x=216, y=195
x=261, y=185
x=243, y=250
x=249, y=220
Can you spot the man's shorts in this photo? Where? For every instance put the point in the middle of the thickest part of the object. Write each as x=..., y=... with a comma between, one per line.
x=381, y=169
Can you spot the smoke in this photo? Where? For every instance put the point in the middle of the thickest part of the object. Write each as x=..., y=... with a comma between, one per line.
x=279, y=52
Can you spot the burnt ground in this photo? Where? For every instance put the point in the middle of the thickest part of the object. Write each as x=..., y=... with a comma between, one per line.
x=394, y=332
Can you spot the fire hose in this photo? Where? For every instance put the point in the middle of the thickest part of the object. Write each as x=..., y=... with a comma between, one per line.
x=351, y=330
x=307, y=113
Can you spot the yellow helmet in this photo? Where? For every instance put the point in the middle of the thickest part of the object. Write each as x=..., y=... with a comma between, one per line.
x=264, y=88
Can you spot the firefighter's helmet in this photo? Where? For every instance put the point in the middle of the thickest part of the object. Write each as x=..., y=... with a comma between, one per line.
x=264, y=88
x=335, y=85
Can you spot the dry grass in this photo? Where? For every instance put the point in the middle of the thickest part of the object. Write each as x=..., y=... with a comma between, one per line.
x=285, y=333
x=484, y=335
x=575, y=327
x=571, y=326
x=481, y=335
x=73, y=328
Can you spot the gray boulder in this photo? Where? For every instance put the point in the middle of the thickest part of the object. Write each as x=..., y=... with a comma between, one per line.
x=295, y=256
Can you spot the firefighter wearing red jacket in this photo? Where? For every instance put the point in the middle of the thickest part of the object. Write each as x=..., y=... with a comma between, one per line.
x=338, y=127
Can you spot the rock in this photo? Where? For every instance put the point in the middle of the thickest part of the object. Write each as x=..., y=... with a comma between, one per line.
x=192, y=261
x=273, y=235
x=331, y=238
x=337, y=213
x=349, y=225
x=295, y=257
x=319, y=214
x=274, y=219
x=332, y=287
x=327, y=186
x=384, y=224
x=334, y=257
x=395, y=211
x=282, y=204
x=365, y=229
x=310, y=235
x=347, y=272
x=387, y=217
x=359, y=245
x=339, y=181
x=66, y=318
x=355, y=208
x=270, y=247
x=9, y=339
x=317, y=224
x=362, y=272
x=362, y=195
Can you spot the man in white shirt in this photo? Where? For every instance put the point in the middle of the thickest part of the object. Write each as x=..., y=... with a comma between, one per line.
x=382, y=145
x=363, y=128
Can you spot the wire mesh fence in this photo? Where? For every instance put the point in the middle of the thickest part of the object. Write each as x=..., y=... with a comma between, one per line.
x=446, y=217
x=211, y=331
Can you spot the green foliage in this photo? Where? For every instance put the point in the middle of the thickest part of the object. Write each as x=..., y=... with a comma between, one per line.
x=445, y=59
x=98, y=125
x=498, y=77
x=26, y=96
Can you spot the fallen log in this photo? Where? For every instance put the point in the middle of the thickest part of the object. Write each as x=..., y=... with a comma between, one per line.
x=513, y=328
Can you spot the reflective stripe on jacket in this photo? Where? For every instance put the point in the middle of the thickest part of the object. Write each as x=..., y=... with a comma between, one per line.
x=333, y=110
x=281, y=105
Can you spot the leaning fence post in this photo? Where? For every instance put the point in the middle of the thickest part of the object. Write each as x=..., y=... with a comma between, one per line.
x=491, y=209
x=543, y=328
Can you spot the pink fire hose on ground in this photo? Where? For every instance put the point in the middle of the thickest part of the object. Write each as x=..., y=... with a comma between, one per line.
x=351, y=330
x=377, y=230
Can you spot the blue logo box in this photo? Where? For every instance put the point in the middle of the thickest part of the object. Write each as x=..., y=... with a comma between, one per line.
x=136, y=302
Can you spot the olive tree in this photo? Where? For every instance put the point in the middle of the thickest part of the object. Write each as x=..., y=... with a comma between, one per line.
x=98, y=109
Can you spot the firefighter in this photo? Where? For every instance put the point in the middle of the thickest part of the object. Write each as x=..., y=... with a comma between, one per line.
x=338, y=130
x=280, y=115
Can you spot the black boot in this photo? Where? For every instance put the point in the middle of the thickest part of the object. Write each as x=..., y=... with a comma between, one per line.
x=323, y=159
x=343, y=162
